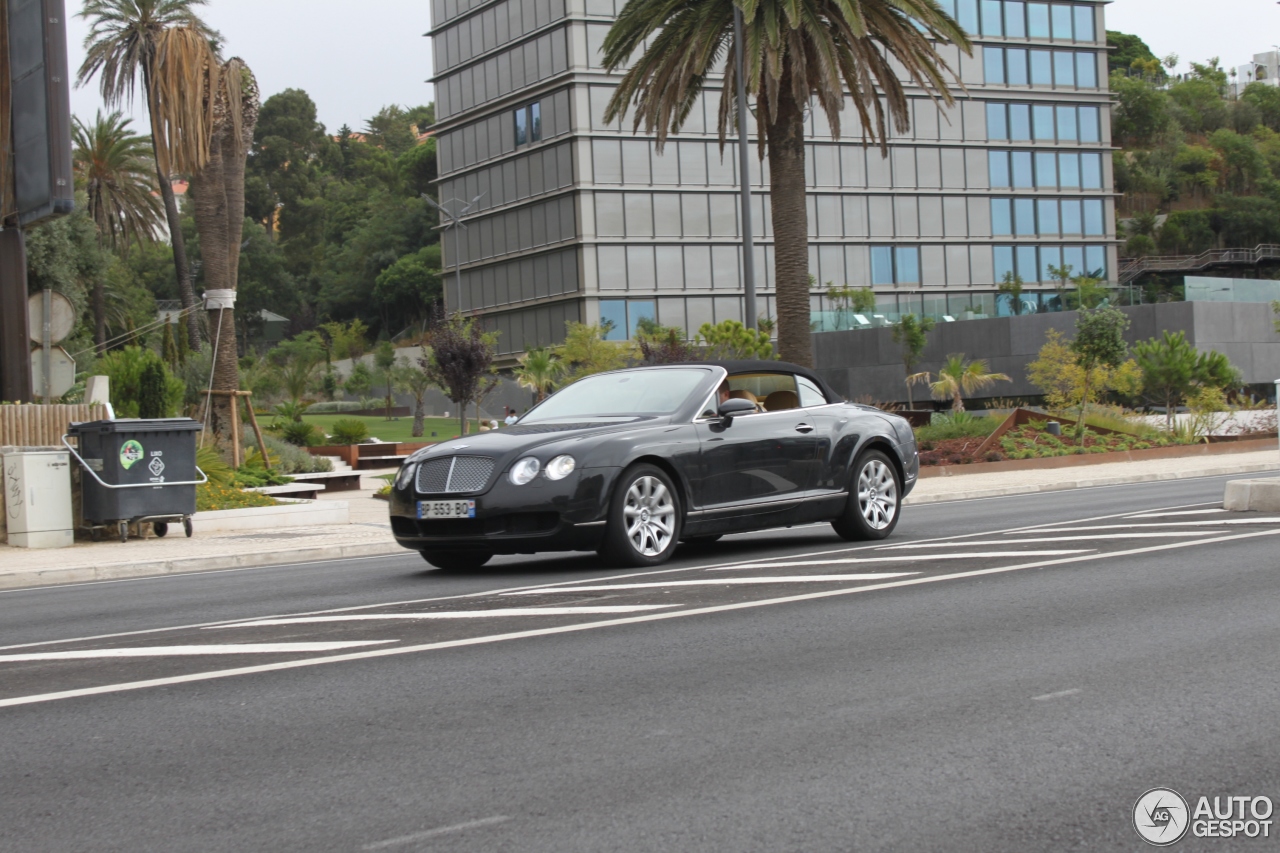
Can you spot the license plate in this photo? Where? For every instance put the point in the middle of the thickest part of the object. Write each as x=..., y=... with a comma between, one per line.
x=446, y=509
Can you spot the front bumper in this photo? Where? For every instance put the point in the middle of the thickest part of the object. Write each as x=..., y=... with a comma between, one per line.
x=544, y=515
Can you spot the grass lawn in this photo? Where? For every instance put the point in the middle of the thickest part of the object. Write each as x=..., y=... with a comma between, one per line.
x=399, y=429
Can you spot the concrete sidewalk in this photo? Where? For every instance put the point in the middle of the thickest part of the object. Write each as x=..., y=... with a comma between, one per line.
x=369, y=533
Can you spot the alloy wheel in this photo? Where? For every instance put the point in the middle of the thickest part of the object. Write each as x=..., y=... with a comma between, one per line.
x=650, y=516
x=877, y=494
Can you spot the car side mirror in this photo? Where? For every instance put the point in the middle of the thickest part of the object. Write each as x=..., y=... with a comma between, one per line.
x=733, y=407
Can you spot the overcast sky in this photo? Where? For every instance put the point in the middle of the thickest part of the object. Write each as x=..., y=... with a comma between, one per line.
x=1232, y=30
x=352, y=58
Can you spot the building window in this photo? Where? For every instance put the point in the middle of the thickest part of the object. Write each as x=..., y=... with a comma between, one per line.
x=1014, y=123
x=620, y=317
x=1017, y=19
x=1065, y=169
x=1031, y=263
x=528, y=123
x=895, y=265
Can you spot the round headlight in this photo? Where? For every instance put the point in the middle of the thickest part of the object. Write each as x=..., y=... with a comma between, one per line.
x=525, y=470
x=560, y=467
x=405, y=477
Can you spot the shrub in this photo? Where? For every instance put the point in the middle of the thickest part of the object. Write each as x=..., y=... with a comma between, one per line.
x=125, y=369
x=287, y=458
x=301, y=434
x=350, y=431
x=210, y=497
x=957, y=425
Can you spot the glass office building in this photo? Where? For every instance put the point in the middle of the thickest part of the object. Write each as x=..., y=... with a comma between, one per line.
x=583, y=220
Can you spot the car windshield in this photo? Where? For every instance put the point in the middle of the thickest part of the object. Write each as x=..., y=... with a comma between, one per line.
x=640, y=392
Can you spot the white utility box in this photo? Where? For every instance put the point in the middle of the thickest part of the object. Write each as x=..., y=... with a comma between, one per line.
x=37, y=497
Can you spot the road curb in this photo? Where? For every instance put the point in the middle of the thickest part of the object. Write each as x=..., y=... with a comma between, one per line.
x=193, y=565
x=1090, y=482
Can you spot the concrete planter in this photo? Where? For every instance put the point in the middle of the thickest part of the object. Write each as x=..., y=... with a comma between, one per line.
x=346, y=452
x=1076, y=460
x=288, y=513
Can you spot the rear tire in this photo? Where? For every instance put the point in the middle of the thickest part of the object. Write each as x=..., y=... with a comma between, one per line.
x=644, y=519
x=457, y=561
x=160, y=528
x=875, y=499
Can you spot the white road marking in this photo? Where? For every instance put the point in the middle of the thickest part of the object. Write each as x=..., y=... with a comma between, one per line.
x=280, y=666
x=432, y=833
x=1157, y=524
x=452, y=614
x=1171, y=514
x=182, y=651
x=907, y=559
x=471, y=595
x=719, y=582
x=1073, y=691
x=1163, y=534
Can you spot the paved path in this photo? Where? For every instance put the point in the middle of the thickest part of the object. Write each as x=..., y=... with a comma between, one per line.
x=1004, y=674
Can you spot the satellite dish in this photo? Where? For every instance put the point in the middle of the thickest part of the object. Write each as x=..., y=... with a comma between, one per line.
x=63, y=316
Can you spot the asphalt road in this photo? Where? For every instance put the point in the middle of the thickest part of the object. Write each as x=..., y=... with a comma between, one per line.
x=1007, y=674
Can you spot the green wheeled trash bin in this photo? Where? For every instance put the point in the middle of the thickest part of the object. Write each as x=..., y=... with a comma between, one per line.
x=137, y=470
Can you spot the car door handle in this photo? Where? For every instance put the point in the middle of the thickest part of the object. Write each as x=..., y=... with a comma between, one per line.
x=804, y=427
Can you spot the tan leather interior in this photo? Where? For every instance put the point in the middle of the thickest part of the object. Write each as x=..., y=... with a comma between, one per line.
x=779, y=400
x=743, y=395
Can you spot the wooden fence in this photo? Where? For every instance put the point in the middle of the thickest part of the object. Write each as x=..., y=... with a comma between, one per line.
x=43, y=426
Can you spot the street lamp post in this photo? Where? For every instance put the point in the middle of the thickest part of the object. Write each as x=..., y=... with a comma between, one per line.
x=455, y=222
x=744, y=174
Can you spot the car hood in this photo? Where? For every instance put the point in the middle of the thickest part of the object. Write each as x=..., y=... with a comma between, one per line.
x=509, y=443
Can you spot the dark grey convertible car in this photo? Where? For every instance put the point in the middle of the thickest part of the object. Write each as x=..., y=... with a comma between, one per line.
x=631, y=462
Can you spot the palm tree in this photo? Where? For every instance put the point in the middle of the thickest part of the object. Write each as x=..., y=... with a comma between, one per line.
x=539, y=371
x=122, y=46
x=958, y=379
x=115, y=166
x=797, y=51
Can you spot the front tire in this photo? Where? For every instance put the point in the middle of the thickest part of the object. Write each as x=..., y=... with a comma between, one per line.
x=457, y=561
x=644, y=519
x=875, y=500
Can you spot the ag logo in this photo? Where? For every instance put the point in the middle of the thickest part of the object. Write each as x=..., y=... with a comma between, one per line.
x=1161, y=816
x=130, y=452
x=156, y=467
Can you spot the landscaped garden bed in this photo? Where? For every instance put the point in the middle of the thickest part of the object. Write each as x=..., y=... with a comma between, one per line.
x=1032, y=441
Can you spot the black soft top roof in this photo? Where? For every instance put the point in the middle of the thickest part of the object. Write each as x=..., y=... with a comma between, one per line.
x=761, y=366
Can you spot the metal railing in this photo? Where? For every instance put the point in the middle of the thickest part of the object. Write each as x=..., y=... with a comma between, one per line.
x=1134, y=267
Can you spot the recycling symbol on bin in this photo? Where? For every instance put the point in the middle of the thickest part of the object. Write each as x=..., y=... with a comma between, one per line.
x=156, y=467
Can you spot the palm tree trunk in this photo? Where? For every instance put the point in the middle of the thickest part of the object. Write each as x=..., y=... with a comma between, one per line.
x=99, y=315
x=957, y=402
x=790, y=227
x=186, y=291
x=210, y=205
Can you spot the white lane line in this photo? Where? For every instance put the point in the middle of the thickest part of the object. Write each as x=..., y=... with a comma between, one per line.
x=183, y=651
x=432, y=833
x=1172, y=514
x=1073, y=691
x=485, y=593
x=1056, y=552
x=1091, y=538
x=280, y=666
x=720, y=582
x=1155, y=524
x=453, y=614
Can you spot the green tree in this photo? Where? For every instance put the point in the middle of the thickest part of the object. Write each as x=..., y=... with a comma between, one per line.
x=795, y=53
x=1099, y=342
x=414, y=380
x=392, y=130
x=1125, y=50
x=359, y=381
x=540, y=370
x=957, y=379
x=152, y=399
x=1011, y=288
x=911, y=334
x=410, y=288
x=124, y=46
x=384, y=363
x=585, y=351
x=1197, y=168
x=127, y=370
x=1142, y=111
x=114, y=167
x=729, y=339
x=1266, y=100
x=1243, y=165
x=1172, y=369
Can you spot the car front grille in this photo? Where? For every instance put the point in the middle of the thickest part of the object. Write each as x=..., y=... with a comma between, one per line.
x=454, y=474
